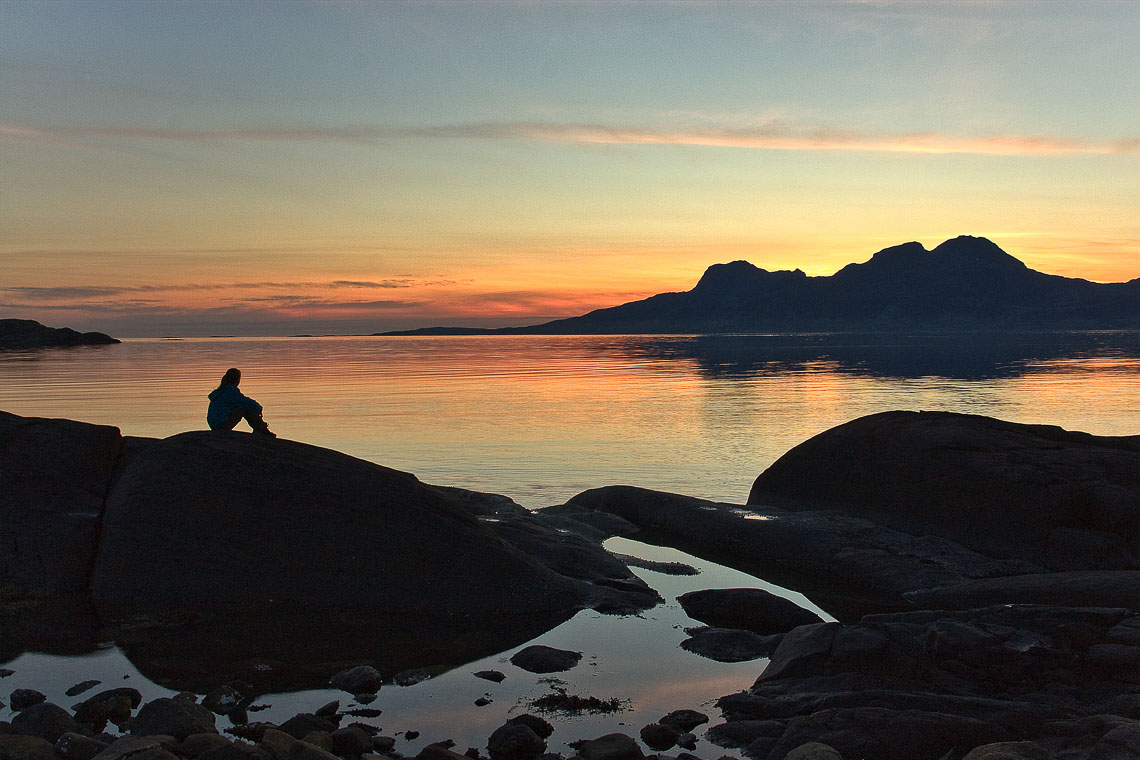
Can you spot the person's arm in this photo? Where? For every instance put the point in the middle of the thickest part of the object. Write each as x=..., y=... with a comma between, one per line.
x=245, y=402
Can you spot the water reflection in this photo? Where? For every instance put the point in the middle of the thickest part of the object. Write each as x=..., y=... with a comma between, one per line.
x=960, y=356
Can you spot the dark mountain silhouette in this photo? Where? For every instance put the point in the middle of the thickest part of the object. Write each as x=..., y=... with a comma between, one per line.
x=27, y=333
x=967, y=283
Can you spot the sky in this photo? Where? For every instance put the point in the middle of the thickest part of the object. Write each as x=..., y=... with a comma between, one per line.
x=272, y=168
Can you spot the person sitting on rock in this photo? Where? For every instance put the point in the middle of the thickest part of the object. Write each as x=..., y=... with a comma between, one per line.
x=229, y=406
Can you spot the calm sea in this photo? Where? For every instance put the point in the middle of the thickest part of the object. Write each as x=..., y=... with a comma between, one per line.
x=539, y=419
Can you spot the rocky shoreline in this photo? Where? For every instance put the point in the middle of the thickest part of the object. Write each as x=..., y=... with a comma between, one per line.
x=983, y=574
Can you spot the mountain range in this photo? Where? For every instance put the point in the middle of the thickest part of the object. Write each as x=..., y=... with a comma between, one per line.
x=967, y=283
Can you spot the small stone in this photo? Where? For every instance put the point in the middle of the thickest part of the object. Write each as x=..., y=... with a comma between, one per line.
x=411, y=735
x=329, y=710
x=79, y=688
x=5, y=672
x=303, y=724
x=483, y=701
x=383, y=744
x=411, y=677
x=490, y=675
x=221, y=701
x=544, y=659
x=350, y=742
x=362, y=679
x=364, y=712
x=687, y=741
x=660, y=736
x=686, y=720
x=22, y=699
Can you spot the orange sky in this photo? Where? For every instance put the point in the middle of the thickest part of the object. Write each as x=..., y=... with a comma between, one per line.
x=248, y=168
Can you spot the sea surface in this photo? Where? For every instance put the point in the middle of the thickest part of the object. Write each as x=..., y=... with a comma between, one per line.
x=539, y=419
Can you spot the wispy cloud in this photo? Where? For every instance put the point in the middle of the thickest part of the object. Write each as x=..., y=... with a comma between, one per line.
x=774, y=136
x=64, y=292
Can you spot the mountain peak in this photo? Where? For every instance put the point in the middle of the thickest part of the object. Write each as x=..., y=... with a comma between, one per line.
x=740, y=275
x=975, y=251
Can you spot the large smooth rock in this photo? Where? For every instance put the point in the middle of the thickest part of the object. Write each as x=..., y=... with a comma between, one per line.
x=209, y=520
x=54, y=476
x=1064, y=500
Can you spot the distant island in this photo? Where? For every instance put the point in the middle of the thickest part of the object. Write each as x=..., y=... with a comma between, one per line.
x=967, y=283
x=28, y=333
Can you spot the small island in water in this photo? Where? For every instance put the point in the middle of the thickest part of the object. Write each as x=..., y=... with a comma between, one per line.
x=27, y=333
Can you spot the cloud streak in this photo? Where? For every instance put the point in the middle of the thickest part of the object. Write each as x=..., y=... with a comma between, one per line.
x=772, y=137
x=109, y=291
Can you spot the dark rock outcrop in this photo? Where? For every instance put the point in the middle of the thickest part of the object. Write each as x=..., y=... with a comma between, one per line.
x=54, y=475
x=749, y=609
x=27, y=333
x=186, y=526
x=1063, y=500
x=847, y=565
x=919, y=685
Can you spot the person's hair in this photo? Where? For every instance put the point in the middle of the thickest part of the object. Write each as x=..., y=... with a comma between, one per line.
x=232, y=377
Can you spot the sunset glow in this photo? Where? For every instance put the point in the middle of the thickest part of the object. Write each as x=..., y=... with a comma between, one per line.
x=254, y=168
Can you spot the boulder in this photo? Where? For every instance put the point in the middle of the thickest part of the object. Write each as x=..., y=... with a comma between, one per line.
x=660, y=736
x=1064, y=500
x=611, y=747
x=749, y=609
x=45, y=720
x=686, y=720
x=186, y=525
x=20, y=747
x=22, y=699
x=813, y=751
x=172, y=717
x=54, y=475
x=543, y=659
x=515, y=741
x=1008, y=751
x=303, y=724
x=72, y=746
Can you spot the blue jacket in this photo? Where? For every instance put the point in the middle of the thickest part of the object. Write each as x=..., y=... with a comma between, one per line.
x=223, y=400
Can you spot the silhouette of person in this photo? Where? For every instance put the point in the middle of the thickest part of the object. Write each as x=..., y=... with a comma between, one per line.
x=229, y=406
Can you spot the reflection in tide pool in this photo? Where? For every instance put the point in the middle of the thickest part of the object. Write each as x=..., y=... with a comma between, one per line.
x=541, y=418
x=634, y=658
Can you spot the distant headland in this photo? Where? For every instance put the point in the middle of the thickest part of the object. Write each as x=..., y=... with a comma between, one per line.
x=967, y=283
x=27, y=333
